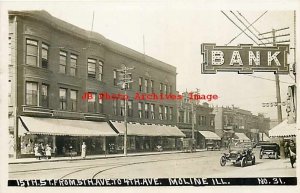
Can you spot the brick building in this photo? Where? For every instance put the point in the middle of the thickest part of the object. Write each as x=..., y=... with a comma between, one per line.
x=53, y=63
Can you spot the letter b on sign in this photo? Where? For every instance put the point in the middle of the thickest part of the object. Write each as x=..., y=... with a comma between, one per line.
x=217, y=58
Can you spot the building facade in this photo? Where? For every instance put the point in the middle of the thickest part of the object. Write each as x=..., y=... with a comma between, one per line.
x=232, y=122
x=54, y=64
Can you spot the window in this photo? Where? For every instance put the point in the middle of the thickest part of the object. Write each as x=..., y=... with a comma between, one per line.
x=9, y=92
x=212, y=122
x=73, y=96
x=166, y=113
x=122, y=107
x=170, y=89
x=100, y=105
x=152, y=111
x=202, y=120
x=165, y=88
x=160, y=88
x=45, y=49
x=140, y=110
x=73, y=65
x=129, y=85
x=171, y=113
x=146, y=86
x=115, y=107
x=130, y=111
x=31, y=52
x=100, y=77
x=63, y=98
x=181, y=116
x=115, y=78
x=45, y=99
x=31, y=93
x=62, y=62
x=91, y=68
x=146, y=110
x=92, y=103
x=190, y=117
x=152, y=86
x=140, y=84
x=160, y=112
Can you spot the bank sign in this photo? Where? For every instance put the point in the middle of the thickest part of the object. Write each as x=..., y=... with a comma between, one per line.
x=244, y=59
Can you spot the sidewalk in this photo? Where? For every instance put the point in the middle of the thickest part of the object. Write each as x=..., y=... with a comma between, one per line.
x=90, y=157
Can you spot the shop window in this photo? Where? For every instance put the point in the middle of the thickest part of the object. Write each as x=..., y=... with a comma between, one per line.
x=73, y=65
x=32, y=93
x=45, y=97
x=45, y=50
x=31, y=52
x=73, y=97
x=91, y=68
x=63, y=98
x=62, y=62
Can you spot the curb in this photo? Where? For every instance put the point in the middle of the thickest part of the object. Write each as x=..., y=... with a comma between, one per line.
x=100, y=157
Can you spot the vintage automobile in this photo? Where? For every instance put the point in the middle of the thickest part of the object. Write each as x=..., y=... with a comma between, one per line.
x=212, y=146
x=239, y=153
x=270, y=149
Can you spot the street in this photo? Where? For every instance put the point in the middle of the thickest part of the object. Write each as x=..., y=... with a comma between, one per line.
x=176, y=165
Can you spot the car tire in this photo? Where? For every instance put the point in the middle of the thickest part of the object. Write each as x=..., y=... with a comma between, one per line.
x=276, y=155
x=253, y=160
x=243, y=162
x=223, y=161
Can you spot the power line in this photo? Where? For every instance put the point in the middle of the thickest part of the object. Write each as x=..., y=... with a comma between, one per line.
x=247, y=27
x=267, y=79
x=249, y=22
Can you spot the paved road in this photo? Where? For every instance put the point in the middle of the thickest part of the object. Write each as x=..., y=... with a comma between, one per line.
x=199, y=164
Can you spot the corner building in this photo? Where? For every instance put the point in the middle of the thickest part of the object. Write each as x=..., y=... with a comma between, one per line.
x=53, y=63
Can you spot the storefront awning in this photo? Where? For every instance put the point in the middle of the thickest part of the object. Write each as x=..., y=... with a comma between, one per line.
x=241, y=137
x=283, y=129
x=210, y=135
x=66, y=127
x=263, y=137
x=136, y=129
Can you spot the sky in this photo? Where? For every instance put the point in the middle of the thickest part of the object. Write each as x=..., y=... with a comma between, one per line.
x=173, y=33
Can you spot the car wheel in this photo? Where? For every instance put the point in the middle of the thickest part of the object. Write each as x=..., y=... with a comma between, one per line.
x=223, y=161
x=253, y=160
x=276, y=155
x=243, y=162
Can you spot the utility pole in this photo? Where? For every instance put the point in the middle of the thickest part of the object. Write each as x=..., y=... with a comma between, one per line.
x=193, y=118
x=125, y=79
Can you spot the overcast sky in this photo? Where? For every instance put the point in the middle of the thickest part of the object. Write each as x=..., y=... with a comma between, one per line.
x=174, y=33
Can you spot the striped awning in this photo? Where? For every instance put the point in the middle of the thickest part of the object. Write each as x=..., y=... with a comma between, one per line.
x=241, y=137
x=137, y=129
x=283, y=129
x=64, y=127
x=210, y=135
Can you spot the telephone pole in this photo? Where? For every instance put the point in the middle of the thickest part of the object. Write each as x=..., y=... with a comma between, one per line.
x=125, y=79
x=193, y=118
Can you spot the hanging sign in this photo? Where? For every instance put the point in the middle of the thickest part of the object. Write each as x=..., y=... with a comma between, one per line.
x=244, y=59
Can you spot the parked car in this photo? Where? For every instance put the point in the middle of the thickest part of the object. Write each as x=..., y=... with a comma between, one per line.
x=270, y=149
x=239, y=154
x=212, y=146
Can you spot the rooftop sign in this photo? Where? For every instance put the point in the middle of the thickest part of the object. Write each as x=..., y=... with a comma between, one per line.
x=244, y=59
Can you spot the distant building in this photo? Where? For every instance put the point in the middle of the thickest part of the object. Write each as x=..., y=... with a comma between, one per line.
x=53, y=63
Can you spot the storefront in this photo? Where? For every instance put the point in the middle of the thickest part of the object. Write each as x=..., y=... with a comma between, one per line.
x=209, y=138
x=64, y=136
x=143, y=138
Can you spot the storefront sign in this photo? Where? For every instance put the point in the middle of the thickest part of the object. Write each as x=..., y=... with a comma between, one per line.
x=244, y=58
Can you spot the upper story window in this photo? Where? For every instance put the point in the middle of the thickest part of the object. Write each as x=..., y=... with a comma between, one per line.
x=115, y=77
x=171, y=113
x=170, y=89
x=152, y=86
x=146, y=110
x=62, y=62
x=212, y=122
x=129, y=85
x=140, y=110
x=130, y=110
x=45, y=50
x=73, y=65
x=32, y=93
x=91, y=68
x=100, y=105
x=152, y=111
x=165, y=89
x=160, y=111
x=45, y=98
x=92, y=103
x=100, y=75
x=160, y=88
x=73, y=97
x=63, y=98
x=32, y=52
x=140, y=84
x=166, y=113
x=181, y=117
x=146, y=86
x=115, y=107
x=122, y=107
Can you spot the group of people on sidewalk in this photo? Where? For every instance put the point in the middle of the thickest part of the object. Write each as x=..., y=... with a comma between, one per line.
x=41, y=151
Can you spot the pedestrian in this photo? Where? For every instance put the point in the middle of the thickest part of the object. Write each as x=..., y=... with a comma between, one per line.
x=70, y=150
x=292, y=148
x=39, y=151
x=36, y=152
x=48, y=151
x=83, y=150
x=286, y=149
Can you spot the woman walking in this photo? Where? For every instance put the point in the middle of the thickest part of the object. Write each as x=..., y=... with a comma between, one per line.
x=48, y=151
x=83, y=150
